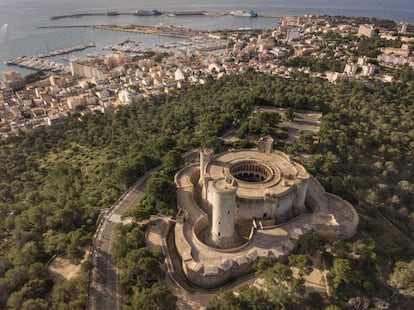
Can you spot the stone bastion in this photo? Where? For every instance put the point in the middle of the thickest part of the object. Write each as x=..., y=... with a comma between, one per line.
x=238, y=205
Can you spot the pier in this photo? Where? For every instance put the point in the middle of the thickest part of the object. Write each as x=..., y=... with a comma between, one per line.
x=37, y=62
x=128, y=46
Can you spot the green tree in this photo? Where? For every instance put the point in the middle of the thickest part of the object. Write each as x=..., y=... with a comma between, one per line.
x=71, y=294
x=341, y=272
x=263, y=263
x=165, y=144
x=141, y=267
x=402, y=278
x=140, y=212
x=34, y=304
x=172, y=161
x=289, y=114
x=365, y=250
x=161, y=187
x=254, y=298
x=260, y=123
x=224, y=300
x=28, y=254
x=311, y=243
x=340, y=249
x=304, y=143
x=15, y=300
x=127, y=237
x=157, y=297
x=302, y=262
x=314, y=301
x=281, y=287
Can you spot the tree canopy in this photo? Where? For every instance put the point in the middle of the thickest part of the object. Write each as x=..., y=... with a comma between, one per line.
x=55, y=181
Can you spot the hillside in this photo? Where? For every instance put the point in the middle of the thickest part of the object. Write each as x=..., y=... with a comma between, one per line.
x=55, y=180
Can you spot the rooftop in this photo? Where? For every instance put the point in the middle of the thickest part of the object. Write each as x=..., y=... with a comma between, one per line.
x=257, y=174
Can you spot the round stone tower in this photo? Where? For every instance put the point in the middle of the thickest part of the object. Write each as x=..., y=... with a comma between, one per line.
x=223, y=209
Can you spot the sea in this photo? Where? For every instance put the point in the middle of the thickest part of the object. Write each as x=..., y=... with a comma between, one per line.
x=20, y=20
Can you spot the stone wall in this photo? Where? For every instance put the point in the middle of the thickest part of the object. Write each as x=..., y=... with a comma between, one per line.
x=213, y=276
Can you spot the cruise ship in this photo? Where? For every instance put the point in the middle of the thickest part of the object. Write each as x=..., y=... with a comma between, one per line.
x=244, y=13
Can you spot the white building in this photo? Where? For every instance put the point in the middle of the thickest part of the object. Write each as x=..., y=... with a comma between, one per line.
x=127, y=96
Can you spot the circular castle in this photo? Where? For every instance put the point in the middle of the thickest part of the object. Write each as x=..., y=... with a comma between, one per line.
x=241, y=204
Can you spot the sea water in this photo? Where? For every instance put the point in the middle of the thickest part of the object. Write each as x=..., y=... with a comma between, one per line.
x=20, y=19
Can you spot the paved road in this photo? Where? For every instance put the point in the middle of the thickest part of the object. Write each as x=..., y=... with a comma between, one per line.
x=105, y=293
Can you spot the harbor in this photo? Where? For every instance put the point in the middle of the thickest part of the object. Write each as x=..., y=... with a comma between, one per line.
x=37, y=62
x=127, y=46
x=178, y=26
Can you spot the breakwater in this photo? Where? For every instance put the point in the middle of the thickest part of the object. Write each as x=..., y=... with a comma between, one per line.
x=171, y=14
x=162, y=30
x=37, y=62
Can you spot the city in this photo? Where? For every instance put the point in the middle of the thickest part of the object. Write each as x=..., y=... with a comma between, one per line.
x=104, y=82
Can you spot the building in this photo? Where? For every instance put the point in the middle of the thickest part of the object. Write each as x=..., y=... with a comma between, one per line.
x=88, y=69
x=292, y=34
x=368, y=69
x=56, y=119
x=56, y=80
x=241, y=204
x=116, y=60
x=333, y=76
x=362, y=61
x=179, y=75
x=350, y=68
x=13, y=79
x=232, y=189
x=403, y=29
x=74, y=102
x=127, y=96
x=366, y=31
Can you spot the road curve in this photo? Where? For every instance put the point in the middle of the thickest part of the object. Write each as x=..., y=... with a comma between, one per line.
x=105, y=291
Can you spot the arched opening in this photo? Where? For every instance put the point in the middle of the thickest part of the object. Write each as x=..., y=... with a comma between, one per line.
x=253, y=172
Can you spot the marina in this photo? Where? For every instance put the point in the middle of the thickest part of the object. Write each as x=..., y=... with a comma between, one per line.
x=127, y=46
x=38, y=62
x=62, y=51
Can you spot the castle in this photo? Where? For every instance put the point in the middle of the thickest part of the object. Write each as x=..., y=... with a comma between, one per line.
x=241, y=204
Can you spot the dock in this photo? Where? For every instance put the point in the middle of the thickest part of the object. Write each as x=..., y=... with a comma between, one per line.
x=38, y=62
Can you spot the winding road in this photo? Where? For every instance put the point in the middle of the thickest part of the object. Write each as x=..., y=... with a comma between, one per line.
x=105, y=292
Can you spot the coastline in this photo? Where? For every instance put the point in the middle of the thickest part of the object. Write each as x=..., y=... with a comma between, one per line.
x=163, y=30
